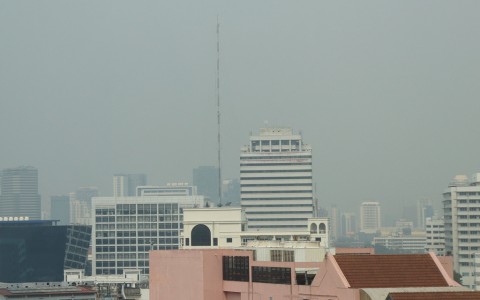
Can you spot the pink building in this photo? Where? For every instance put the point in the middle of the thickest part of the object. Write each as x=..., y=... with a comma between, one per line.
x=210, y=274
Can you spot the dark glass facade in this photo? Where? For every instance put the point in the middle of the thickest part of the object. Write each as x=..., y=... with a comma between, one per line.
x=38, y=251
x=236, y=268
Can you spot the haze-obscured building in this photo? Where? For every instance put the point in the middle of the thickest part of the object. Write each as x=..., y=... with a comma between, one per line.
x=19, y=193
x=126, y=184
x=370, y=218
x=81, y=205
x=60, y=209
x=205, y=178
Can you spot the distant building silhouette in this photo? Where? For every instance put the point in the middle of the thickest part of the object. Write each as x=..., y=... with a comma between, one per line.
x=19, y=193
x=81, y=205
x=60, y=209
x=205, y=178
x=126, y=184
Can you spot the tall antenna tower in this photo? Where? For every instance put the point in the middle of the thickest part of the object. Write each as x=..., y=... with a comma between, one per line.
x=218, y=118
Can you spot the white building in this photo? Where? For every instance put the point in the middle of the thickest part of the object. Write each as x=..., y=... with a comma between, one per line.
x=127, y=228
x=461, y=206
x=435, y=230
x=370, y=217
x=402, y=243
x=276, y=181
x=223, y=228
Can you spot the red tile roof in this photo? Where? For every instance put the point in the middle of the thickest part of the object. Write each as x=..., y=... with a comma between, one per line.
x=469, y=295
x=389, y=271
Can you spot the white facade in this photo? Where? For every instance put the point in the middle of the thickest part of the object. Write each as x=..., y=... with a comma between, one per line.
x=225, y=230
x=461, y=203
x=403, y=244
x=435, y=230
x=126, y=228
x=276, y=181
x=370, y=217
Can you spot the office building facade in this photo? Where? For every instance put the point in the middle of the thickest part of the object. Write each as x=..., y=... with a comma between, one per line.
x=19, y=193
x=276, y=184
x=370, y=217
x=127, y=228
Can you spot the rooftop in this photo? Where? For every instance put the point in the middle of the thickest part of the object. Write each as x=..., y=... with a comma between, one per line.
x=382, y=271
x=464, y=295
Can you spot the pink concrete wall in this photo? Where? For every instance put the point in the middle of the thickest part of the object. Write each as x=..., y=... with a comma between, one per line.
x=197, y=275
x=176, y=275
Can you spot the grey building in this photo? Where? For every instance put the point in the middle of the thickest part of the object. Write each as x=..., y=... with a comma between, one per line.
x=205, y=178
x=19, y=193
x=60, y=209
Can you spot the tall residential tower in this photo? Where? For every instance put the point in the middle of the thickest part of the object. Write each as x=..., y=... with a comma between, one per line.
x=461, y=208
x=276, y=181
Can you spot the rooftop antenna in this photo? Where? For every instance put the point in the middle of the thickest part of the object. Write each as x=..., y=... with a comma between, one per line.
x=218, y=118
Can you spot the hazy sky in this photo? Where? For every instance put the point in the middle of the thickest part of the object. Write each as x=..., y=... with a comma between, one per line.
x=386, y=92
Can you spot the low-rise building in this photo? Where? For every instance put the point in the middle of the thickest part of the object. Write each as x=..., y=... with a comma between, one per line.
x=236, y=275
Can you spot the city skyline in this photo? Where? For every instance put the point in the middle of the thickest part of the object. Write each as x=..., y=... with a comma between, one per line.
x=389, y=106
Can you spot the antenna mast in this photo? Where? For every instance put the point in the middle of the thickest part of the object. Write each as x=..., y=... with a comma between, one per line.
x=218, y=117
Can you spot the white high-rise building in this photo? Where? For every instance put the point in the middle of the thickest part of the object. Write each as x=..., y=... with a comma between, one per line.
x=370, y=217
x=276, y=181
x=461, y=207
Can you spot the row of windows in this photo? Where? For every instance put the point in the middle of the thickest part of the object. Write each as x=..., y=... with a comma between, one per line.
x=276, y=142
x=276, y=171
x=271, y=275
x=132, y=209
x=279, y=199
x=279, y=205
x=278, y=219
x=282, y=164
x=277, y=226
x=284, y=157
x=276, y=192
x=276, y=184
x=275, y=178
x=277, y=212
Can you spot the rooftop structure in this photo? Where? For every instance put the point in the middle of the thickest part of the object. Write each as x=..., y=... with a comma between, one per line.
x=54, y=291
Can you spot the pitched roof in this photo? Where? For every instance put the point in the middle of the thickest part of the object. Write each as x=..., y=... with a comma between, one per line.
x=467, y=295
x=383, y=271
